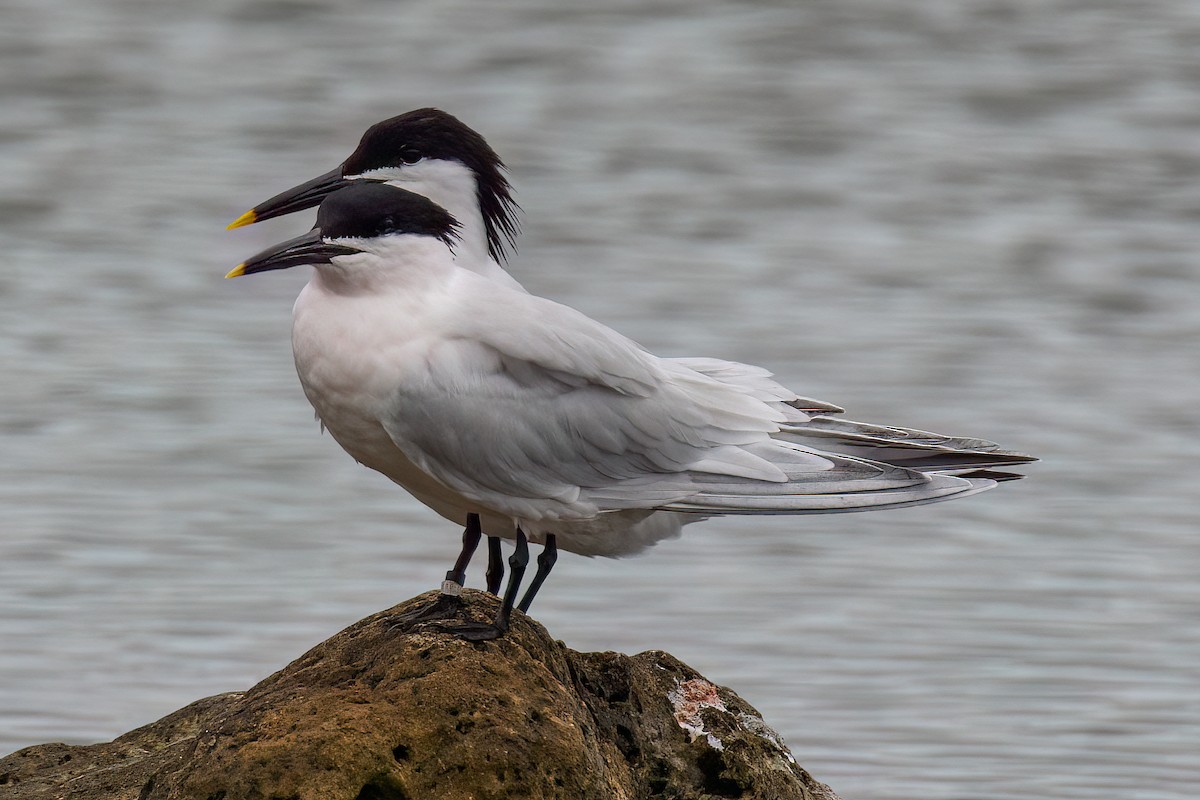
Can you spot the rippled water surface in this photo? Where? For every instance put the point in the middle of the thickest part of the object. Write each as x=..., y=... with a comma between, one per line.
x=977, y=217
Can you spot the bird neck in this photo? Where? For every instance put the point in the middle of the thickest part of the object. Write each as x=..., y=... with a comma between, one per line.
x=454, y=187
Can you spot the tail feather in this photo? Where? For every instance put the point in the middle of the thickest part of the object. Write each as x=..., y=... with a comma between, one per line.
x=938, y=488
x=821, y=482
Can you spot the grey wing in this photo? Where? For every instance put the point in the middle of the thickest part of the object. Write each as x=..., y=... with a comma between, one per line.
x=540, y=441
x=890, y=444
x=758, y=382
x=530, y=438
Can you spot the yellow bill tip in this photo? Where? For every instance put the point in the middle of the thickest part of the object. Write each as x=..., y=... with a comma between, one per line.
x=249, y=218
x=237, y=271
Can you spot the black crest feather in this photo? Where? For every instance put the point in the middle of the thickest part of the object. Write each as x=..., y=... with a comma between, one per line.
x=366, y=210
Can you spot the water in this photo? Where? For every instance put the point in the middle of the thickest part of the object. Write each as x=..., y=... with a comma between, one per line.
x=973, y=217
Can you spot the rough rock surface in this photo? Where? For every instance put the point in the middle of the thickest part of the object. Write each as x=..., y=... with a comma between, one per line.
x=392, y=709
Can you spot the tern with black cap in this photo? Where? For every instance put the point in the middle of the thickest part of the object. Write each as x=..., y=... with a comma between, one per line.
x=550, y=427
x=433, y=153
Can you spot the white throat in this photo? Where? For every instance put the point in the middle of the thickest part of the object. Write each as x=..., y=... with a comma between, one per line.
x=452, y=186
x=405, y=263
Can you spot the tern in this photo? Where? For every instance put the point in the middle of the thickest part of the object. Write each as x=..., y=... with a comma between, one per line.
x=433, y=153
x=490, y=403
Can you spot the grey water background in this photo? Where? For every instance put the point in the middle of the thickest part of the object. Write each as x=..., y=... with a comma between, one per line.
x=976, y=217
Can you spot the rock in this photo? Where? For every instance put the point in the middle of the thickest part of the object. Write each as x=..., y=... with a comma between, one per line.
x=393, y=709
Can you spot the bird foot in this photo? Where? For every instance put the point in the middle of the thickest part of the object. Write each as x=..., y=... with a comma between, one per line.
x=471, y=631
x=446, y=606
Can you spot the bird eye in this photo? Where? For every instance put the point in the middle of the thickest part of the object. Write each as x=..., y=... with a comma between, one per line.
x=410, y=155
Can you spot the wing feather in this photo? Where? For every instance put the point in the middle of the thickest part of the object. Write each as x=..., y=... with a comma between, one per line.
x=562, y=418
x=915, y=449
x=757, y=382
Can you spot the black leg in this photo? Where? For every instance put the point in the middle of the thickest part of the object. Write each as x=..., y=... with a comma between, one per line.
x=485, y=631
x=457, y=577
x=448, y=602
x=495, y=570
x=516, y=571
x=545, y=563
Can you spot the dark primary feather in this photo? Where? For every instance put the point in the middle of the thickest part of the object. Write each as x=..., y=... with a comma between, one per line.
x=902, y=447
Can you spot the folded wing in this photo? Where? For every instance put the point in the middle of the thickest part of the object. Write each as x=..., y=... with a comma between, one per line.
x=570, y=420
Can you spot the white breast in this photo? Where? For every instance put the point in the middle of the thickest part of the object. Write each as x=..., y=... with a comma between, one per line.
x=352, y=349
